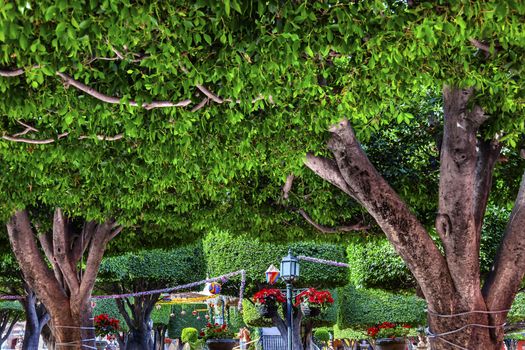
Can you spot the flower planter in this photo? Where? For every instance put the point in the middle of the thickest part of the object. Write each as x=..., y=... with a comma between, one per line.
x=310, y=311
x=390, y=344
x=221, y=344
x=267, y=310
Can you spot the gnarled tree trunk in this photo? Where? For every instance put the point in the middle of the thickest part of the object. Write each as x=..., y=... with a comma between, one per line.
x=461, y=311
x=138, y=316
x=63, y=289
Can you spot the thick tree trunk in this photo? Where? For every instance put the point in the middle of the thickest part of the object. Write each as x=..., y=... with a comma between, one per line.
x=140, y=339
x=461, y=313
x=64, y=290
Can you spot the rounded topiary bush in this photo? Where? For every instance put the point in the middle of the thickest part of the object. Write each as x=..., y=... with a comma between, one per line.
x=322, y=335
x=189, y=335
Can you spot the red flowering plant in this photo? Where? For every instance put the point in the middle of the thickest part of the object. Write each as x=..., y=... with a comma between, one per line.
x=388, y=330
x=313, y=297
x=265, y=296
x=105, y=325
x=215, y=331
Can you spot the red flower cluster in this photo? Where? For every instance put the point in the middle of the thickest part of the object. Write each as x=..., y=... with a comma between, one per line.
x=216, y=331
x=265, y=295
x=105, y=325
x=388, y=330
x=313, y=296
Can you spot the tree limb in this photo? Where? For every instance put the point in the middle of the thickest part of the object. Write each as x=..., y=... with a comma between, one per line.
x=479, y=45
x=288, y=186
x=61, y=251
x=504, y=278
x=36, y=272
x=328, y=170
x=324, y=229
x=404, y=231
x=12, y=73
x=115, y=100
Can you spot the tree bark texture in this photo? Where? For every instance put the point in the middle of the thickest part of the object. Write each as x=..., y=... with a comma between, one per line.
x=282, y=325
x=450, y=282
x=62, y=288
x=36, y=318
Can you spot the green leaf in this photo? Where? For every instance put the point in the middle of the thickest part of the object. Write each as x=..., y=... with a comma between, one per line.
x=227, y=7
x=309, y=51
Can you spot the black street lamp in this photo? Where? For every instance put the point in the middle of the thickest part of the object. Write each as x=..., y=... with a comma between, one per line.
x=289, y=274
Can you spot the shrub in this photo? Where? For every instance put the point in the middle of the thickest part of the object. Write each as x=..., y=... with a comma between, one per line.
x=178, y=322
x=225, y=253
x=360, y=308
x=189, y=335
x=322, y=335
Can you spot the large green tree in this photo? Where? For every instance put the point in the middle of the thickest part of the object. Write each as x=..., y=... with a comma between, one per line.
x=174, y=117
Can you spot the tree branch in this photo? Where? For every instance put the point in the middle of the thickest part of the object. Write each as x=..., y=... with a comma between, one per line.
x=328, y=170
x=95, y=255
x=404, y=231
x=61, y=251
x=288, y=186
x=479, y=45
x=32, y=141
x=124, y=312
x=12, y=73
x=324, y=229
x=36, y=272
x=508, y=270
x=488, y=154
x=115, y=100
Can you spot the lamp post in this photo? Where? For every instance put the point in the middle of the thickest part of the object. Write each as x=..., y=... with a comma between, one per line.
x=289, y=274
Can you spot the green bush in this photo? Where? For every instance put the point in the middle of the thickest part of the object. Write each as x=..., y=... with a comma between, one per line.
x=176, y=266
x=360, y=308
x=375, y=264
x=517, y=310
x=322, y=335
x=348, y=333
x=235, y=319
x=161, y=315
x=251, y=316
x=189, y=335
x=225, y=253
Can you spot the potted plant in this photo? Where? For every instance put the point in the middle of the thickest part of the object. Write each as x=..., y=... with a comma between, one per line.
x=389, y=336
x=218, y=337
x=105, y=326
x=313, y=301
x=266, y=301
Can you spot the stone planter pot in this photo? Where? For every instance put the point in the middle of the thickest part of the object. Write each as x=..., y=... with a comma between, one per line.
x=222, y=344
x=267, y=310
x=310, y=311
x=390, y=344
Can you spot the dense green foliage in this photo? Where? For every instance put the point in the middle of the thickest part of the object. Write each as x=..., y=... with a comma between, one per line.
x=251, y=316
x=359, y=308
x=155, y=267
x=161, y=315
x=235, y=319
x=176, y=172
x=226, y=252
x=178, y=321
x=375, y=264
x=348, y=333
x=189, y=335
x=517, y=311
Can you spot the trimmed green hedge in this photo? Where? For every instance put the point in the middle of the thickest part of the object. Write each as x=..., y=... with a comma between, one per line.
x=161, y=315
x=322, y=335
x=359, y=308
x=178, y=322
x=176, y=266
x=375, y=264
x=348, y=333
x=225, y=253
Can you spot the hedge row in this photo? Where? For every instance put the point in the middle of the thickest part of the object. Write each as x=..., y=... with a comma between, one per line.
x=176, y=266
x=360, y=308
x=375, y=264
x=225, y=253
